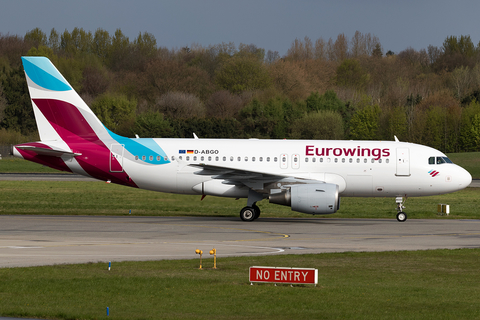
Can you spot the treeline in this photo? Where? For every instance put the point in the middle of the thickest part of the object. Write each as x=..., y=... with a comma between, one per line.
x=336, y=89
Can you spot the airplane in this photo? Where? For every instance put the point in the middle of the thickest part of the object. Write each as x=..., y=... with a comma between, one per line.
x=309, y=176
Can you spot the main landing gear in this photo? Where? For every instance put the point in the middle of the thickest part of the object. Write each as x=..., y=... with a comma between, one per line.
x=401, y=216
x=251, y=211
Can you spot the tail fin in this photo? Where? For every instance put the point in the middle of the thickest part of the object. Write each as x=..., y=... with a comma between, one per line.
x=57, y=106
x=72, y=137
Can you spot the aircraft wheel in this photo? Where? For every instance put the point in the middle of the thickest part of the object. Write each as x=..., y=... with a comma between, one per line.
x=401, y=216
x=247, y=214
x=257, y=211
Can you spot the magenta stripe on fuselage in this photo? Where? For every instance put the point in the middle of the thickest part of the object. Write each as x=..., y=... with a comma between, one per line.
x=74, y=129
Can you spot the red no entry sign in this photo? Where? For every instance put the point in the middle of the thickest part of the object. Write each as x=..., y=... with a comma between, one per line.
x=283, y=275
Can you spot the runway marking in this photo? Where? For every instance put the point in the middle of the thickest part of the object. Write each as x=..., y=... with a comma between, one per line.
x=278, y=235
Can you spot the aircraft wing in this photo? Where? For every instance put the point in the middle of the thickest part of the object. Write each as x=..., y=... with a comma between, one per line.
x=252, y=179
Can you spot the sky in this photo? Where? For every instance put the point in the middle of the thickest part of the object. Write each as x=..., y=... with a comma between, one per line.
x=268, y=24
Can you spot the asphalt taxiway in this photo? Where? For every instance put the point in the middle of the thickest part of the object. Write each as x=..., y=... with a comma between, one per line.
x=47, y=240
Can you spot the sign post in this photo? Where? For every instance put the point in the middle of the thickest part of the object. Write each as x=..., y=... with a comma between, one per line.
x=283, y=275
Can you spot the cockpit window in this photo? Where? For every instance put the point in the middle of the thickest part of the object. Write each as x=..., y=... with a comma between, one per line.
x=439, y=160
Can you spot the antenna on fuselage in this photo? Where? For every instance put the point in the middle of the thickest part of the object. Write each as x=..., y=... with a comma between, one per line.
x=195, y=136
x=396, y=139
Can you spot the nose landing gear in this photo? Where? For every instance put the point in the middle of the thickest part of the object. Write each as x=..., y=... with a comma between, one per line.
x=401, y=216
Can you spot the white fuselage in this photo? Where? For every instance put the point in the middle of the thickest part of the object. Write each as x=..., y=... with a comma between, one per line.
x=359, y=168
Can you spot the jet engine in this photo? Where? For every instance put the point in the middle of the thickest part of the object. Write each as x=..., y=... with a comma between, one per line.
x=321, y=198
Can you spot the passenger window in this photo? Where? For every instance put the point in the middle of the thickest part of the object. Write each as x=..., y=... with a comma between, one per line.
x=216, y=158
x=268, y=159
x=239, y=159
x=194, y=158
x=180, y=157
x=187, y=158
x=150, y=158
x=350, y=160
x=260, y=159
x=306, y=159
x=136, y=157
x=379, y=160
x=144, y=158
x=231, y=158
x=284, y=159
x=358, y=160
x=343, y=160
x=275, y=159
x=158, y=158
x=373, y=160
x=365, y=160
x=224, y=158
x=202, y=158
x=315, y=159
x=173, y=158
x=209, y=158
x=387, y=161
x=246, y=158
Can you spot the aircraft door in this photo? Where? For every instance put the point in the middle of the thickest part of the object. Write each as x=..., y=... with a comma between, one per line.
x=403, y=162
x=116, y=158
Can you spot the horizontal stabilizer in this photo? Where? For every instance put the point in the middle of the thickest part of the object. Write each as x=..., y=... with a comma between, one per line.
x=46, y=151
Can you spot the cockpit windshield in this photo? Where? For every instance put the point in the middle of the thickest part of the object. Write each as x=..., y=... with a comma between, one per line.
x=439, y=160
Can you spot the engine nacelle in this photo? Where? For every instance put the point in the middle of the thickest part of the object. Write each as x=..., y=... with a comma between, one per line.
x=319, y=198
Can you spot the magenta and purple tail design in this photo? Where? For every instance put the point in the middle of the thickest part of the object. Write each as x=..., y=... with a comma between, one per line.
x=72, y=138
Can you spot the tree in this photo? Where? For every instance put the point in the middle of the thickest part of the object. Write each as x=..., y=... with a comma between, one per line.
x=350, y=74
x=54, y=40
x=180, y=105
x=223, y=104
x=101, y=44
x=37, y=37
x=469, y=137
x=152, y=124
x=116, y=112
x=243, y=73
x=364, y=123
x=291, y=79
x=18, y=112
x=319, y=125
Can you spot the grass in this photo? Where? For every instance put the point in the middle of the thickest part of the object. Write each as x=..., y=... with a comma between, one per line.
x=99, y=198
x=470, y=161
x=437, y=284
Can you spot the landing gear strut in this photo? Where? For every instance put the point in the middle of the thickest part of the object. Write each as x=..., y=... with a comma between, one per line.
x=401, y=216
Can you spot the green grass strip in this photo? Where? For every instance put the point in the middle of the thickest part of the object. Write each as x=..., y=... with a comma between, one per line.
x=99, y=198
x=437, y=284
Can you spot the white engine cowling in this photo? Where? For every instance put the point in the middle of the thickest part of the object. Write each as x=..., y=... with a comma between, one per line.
x=319, y=198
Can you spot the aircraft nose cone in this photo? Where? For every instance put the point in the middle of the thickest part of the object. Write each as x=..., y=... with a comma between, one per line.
x=464, y=178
